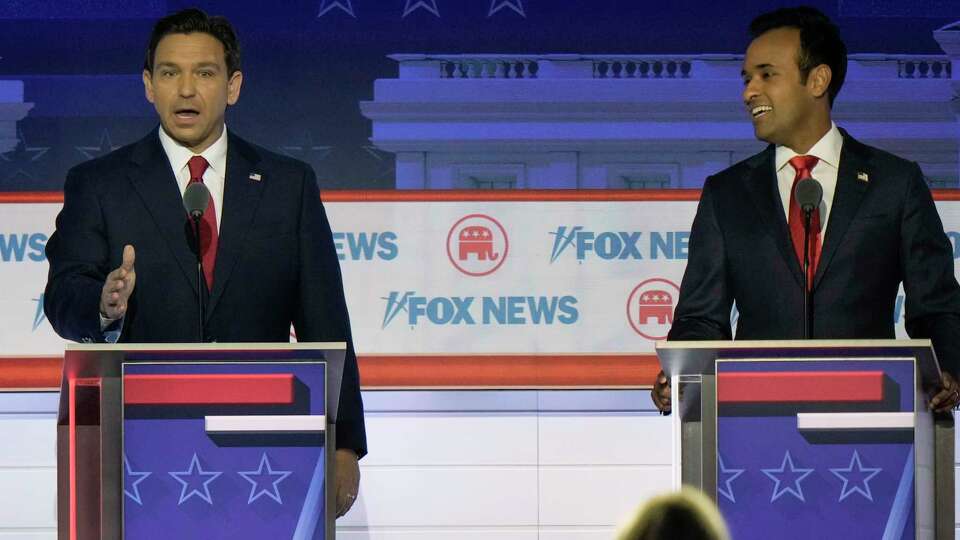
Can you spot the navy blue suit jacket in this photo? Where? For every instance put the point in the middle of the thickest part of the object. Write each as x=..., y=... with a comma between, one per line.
x=883, y=229
x=276, y=262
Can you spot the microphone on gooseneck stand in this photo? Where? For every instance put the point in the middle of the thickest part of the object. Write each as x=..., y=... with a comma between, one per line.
x=808, y=194
x=195, y=201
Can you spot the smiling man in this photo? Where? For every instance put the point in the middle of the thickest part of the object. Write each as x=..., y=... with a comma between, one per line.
x=121, y=265
x=876, y=227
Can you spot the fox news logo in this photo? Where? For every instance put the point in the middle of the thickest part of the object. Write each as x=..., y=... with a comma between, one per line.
x=650, y=307
x=618, y=245
x=17, y=247
x=480, y=310
x=477, y=245
x=364, y=246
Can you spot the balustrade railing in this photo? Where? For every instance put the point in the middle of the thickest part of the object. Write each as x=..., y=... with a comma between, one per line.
x=488, y=68
x=643, y=66
x=924, y=68
x=655, y=68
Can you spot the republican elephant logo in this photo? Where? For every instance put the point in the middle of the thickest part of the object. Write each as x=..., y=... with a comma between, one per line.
x=650, y=307
x=477, y=245
x=477, y=240
x=655, y=304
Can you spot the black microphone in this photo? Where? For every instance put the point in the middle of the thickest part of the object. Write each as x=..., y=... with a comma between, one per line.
x=808, y=193
x=195, y=199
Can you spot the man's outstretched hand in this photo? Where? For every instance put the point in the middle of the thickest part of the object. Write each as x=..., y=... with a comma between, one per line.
x=118, y=287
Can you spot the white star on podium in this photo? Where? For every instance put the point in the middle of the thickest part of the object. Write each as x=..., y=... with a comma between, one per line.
x=733, y=474
x=195, y=472
x=861, y=475
x=140, y=477
x=796, y=474
x=272, y=478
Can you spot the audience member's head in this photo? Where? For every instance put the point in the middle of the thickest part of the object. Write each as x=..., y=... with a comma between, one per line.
x=684, y=515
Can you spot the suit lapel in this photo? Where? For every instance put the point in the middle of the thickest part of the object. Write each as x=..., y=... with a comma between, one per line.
x=153, y=180
x=762, y=185
x=242, y=189
x=846, y=200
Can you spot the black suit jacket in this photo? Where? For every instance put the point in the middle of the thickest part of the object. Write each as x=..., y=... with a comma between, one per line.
x=276, y=262
x=883, y=229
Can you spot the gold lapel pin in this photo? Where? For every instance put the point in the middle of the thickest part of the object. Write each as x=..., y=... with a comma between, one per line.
x=863, y=177
x=255, y=177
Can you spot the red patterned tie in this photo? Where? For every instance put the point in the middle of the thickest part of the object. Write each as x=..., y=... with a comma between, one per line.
x=804, y=166
x=208, y=225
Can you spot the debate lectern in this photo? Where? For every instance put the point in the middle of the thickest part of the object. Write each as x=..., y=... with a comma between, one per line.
x=197, y=441
x=814, y=439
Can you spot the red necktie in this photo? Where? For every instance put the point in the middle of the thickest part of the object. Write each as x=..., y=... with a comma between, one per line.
x=208, y=225
x=804, y=165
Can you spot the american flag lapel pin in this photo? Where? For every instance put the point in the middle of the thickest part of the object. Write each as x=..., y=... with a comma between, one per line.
x=256, y=177
x=863, y=177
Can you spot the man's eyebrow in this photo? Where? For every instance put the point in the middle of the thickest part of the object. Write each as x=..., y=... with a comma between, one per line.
x=758, y=66
x=201, y=64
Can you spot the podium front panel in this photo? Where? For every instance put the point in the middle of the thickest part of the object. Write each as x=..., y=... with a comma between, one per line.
x=224, y=450
x=816, y=448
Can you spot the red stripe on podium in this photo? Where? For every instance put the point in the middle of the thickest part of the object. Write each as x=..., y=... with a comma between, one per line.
x=208, y=389
x=799, y=387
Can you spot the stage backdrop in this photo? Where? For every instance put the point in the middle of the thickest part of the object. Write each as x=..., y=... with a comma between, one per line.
x=581, y=272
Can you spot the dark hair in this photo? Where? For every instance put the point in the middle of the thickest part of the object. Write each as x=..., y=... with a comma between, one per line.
x=677, y=522
x=820, y=41
x=193, y=20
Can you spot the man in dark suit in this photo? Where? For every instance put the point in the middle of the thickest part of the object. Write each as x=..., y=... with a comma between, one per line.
x=880, y=223
x=121, y=265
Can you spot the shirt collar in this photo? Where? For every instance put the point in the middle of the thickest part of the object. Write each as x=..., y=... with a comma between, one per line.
x=827, y=149
x=178, y=155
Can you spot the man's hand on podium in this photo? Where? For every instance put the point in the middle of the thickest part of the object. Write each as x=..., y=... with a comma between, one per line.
x=347, y=479
x=661, y=393
x=118, y=287
x=947, y=396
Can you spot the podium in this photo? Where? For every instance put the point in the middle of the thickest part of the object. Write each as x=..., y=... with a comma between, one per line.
x=197, y=441
x=814, y=439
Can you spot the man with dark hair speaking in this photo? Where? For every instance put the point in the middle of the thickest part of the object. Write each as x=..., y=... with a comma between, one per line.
x=121, y=268
x=876, y=226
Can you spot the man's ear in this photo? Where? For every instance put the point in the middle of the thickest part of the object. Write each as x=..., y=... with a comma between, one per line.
x=233, y=87
x=148, y=86
x=818, y=80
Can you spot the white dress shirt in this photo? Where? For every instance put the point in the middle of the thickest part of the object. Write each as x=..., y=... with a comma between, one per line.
x=825, y=171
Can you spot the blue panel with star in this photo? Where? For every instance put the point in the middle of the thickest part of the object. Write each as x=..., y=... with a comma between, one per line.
x=776, y=481
x=181, y=481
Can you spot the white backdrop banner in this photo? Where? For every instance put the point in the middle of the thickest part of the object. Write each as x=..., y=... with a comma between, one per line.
x=452, y=276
